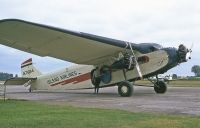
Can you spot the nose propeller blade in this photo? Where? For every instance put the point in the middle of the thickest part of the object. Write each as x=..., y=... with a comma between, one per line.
x=188, y=55
x=136, y=63
x=191, y=46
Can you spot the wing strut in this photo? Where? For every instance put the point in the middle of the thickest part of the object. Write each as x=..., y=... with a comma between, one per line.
x=136, y=62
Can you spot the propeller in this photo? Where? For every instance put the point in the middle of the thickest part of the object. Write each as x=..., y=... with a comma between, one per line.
x=136, y=62
x=188, y=55
x=184, y=53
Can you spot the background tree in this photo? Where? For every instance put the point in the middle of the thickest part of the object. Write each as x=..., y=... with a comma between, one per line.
x=196, y=70
x=174, y=76
x=16, y=76
x=5, y=76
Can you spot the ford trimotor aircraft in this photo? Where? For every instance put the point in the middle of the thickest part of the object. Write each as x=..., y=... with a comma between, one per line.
x=99, y=61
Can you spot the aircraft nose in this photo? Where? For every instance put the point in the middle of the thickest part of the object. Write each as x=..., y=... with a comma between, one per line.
x=177, y=56
x=173, y=58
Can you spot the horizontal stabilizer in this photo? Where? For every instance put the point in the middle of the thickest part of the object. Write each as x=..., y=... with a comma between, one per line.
x=18, y=81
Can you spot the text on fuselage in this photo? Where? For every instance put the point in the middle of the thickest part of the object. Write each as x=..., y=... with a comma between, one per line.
x=62, y=77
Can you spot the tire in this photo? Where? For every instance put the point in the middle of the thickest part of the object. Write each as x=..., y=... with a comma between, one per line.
x=125, y=89
x=160, y=87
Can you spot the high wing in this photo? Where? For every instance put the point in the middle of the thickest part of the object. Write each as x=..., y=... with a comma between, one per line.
x=42, y=40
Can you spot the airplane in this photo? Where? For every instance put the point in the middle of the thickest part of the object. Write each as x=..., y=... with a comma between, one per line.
x=99, y=61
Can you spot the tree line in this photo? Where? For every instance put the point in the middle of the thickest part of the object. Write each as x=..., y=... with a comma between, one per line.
x=5, y=76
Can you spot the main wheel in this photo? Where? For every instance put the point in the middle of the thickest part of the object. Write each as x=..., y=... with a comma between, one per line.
x=125, y=89
x=160, y=87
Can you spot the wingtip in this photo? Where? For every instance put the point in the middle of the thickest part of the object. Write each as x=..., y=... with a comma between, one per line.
x=10, y=19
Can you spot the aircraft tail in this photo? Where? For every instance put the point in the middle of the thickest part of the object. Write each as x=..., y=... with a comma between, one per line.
x=28, y=70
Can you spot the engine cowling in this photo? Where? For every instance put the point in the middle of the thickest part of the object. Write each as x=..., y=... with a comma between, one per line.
x=182, y=53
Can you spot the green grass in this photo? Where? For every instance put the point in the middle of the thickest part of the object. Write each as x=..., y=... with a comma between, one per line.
x=185, y=83
x=26, y=114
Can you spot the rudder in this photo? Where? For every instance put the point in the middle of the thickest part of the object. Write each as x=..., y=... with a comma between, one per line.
x=28, y=70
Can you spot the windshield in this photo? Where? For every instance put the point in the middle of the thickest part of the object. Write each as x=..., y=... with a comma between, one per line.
x=147, y=47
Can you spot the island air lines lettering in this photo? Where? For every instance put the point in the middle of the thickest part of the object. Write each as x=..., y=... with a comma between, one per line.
x=71, y=74
x=62, y=77
x=71, y=77
x=53, y=80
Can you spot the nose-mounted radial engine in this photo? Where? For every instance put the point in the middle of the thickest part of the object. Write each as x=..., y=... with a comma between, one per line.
x=184, y=53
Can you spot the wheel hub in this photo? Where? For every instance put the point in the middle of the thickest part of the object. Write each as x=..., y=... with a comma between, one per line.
x=124, y=89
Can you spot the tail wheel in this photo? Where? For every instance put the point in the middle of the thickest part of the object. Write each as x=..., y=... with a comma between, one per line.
x=160, y=87
x=125, y=89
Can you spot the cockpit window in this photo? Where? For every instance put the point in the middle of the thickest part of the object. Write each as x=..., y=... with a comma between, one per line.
x=148, y=47
x=157, y=46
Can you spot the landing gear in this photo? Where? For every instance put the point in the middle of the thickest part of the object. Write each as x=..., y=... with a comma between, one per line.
x=160, y=87
x=125, y=89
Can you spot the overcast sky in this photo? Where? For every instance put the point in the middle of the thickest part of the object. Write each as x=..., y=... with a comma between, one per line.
x=167, y=22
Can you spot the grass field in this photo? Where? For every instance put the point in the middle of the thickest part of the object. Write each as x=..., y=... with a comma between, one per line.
x=175, y=83
x=26, y=114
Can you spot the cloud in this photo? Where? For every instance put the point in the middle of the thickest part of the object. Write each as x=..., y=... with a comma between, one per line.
x=11, y=60
x=167, y=22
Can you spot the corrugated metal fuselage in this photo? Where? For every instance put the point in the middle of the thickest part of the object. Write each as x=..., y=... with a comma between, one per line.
x=79, y=77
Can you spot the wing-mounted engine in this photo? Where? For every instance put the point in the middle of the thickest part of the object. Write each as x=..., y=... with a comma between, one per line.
x=125, y=61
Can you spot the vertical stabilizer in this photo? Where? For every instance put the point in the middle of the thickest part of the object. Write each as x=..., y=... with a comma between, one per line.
x=28, y=70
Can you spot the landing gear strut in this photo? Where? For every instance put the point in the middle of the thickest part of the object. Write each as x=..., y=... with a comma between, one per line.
x=125, y=89
x=159, y=86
